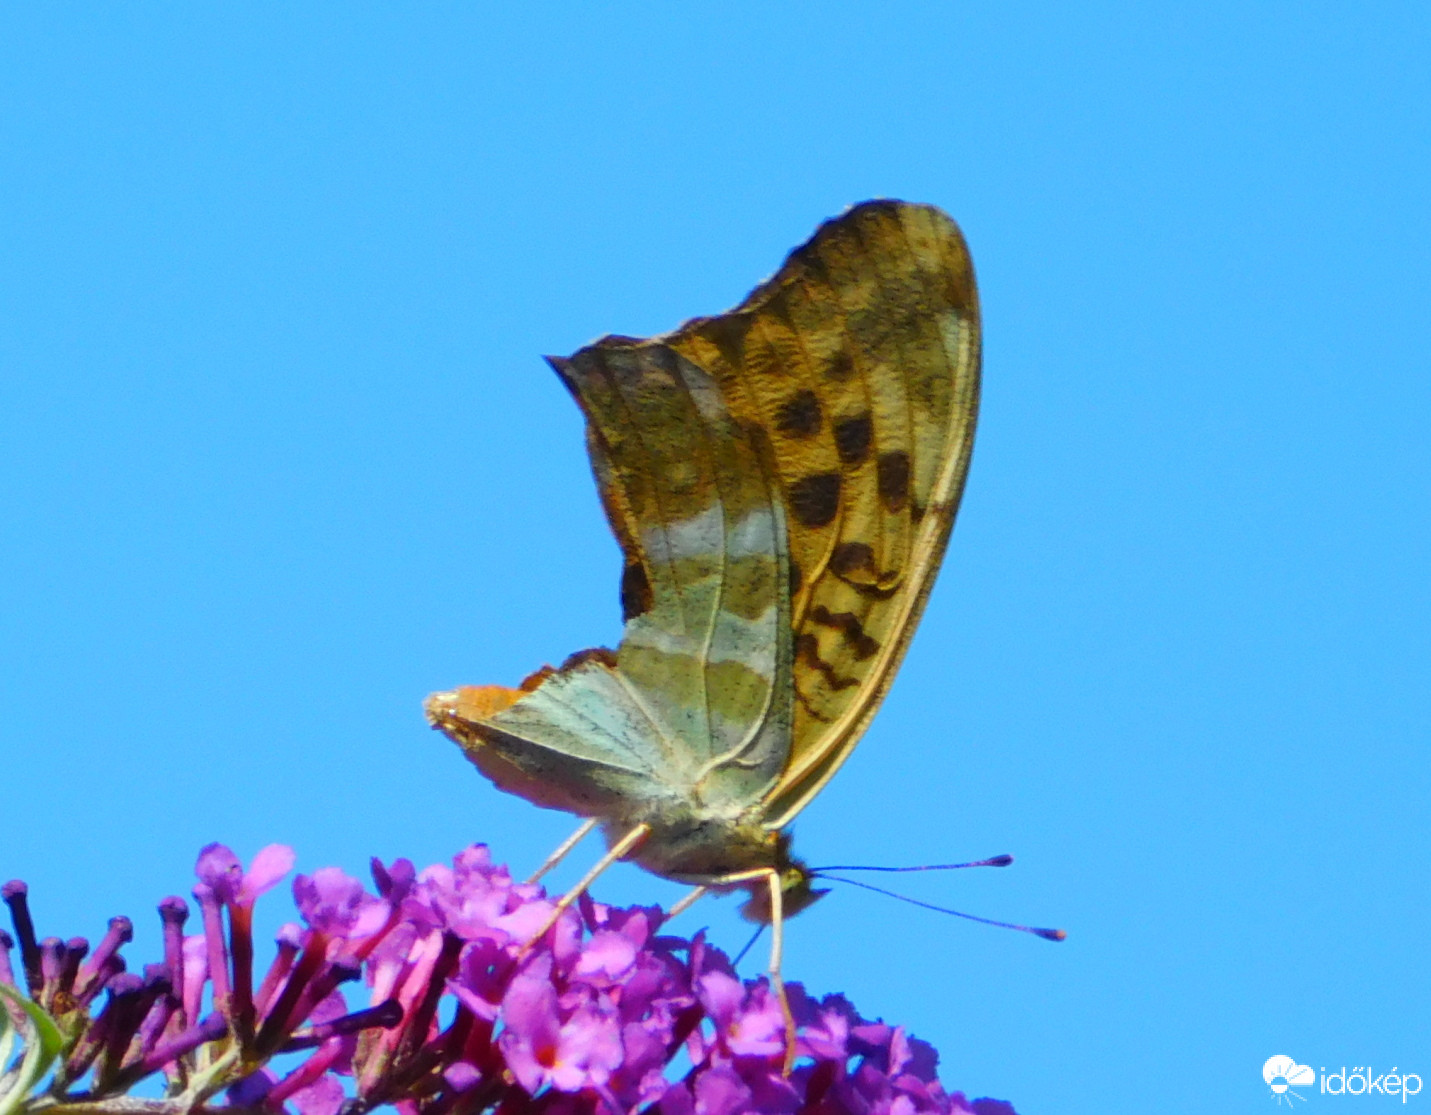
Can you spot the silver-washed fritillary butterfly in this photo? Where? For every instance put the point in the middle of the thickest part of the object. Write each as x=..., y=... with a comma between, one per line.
x=782, y=480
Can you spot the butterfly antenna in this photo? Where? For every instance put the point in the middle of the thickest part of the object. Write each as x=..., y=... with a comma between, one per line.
x=992, y=861
x=750, y=944
x=1046, y=934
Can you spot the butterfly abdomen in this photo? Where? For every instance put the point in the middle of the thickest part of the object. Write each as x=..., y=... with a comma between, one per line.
x=696, y=846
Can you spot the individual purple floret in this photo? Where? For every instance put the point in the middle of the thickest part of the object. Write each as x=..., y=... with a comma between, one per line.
x=478, y=997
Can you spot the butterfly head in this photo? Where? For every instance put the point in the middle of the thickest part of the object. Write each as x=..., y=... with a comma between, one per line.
x=797, y=889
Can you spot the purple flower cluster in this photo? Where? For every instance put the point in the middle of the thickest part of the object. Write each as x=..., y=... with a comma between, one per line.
x=477, y=1002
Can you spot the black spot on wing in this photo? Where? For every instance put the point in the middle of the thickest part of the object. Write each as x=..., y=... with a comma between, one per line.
x=839, y=367
x=854, y=563
x=815, y=500
x=851, y=631
x=851, y=557
x=636, y=596
x=807, y=648
x=853, y=437
x=799, y=416
x=894, y=479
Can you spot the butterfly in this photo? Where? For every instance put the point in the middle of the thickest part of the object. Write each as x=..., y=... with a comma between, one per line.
x=782, y=480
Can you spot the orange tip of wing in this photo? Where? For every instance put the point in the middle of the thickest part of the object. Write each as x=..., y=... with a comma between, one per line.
x=480, y=702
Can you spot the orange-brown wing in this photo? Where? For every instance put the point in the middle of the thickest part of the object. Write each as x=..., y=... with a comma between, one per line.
x=860, y=358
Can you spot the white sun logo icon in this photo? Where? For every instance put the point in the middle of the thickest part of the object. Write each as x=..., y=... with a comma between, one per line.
x=1282, y=1074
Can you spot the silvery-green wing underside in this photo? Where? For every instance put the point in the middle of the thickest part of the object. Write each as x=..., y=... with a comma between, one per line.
x=692, y=712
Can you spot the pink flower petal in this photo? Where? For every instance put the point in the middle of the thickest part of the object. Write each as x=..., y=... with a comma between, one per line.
x=266, y=871
x=607, y=957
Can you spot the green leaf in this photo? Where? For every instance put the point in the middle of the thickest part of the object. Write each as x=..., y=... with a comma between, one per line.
x=43, y=1043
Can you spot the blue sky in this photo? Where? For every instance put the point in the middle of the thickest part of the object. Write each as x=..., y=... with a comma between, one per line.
x=279, y=457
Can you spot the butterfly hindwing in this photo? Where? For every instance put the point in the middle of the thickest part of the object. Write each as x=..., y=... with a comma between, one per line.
x=703, y=538
x=697, y=693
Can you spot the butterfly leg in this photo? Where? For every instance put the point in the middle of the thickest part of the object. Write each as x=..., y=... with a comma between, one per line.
x=771, y=878
x=777, y=946
x=686, y=903
x=619, y=850
x=564, y=848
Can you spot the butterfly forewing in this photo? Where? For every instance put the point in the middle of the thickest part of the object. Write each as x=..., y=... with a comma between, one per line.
x=860, y=357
